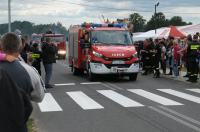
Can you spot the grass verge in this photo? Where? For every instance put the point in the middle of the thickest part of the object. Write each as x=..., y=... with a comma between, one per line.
x=31, y=125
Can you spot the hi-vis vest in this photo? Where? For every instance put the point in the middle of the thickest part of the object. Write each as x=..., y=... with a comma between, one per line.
x=192, y=50
x=194, y=46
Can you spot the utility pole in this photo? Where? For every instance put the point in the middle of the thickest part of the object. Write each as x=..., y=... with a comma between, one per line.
x=156, y=5
x=9, y=16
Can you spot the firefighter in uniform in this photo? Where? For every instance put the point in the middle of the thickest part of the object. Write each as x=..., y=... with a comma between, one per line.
x=193, y=59
x=149, y=57
x=36, y=56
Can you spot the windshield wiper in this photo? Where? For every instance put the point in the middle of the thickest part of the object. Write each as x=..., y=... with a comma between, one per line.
x=118, y=43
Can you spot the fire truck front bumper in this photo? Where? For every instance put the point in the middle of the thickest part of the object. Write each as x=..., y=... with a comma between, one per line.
x=99, y=68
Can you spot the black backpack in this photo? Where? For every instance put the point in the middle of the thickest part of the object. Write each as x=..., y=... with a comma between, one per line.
x=15, y=105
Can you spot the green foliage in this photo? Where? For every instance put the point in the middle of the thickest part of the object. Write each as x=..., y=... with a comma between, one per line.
x=157, y=21
x=177, y=21
x=138, y=22
x=31, y=125
x=29, y=28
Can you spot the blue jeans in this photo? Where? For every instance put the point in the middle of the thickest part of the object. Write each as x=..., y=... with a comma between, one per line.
x=175, y=69
x=48, y=72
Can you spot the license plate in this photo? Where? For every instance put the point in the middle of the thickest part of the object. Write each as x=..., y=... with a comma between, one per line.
x=118, y=62
x=114, y=69
x=118, y=70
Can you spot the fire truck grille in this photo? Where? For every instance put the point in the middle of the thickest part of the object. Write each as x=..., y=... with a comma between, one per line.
x=112, y=59
x=118, y=65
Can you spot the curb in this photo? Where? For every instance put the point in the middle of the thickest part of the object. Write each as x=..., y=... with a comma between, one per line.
x=180, y=78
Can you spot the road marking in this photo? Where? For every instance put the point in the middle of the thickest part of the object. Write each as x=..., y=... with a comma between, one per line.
x=120, y=99
x=154, y=97
x=90, y=83
x=49, y=104
x=107, y=86
x=180, y=115
x=194, y=90
x=65, y=84
x=84, y=101
x=176, y=119
x=114, y=86
x=181, y=95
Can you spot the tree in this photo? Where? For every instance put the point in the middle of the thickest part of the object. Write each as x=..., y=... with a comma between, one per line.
x=158, y=20
x=178, y=21
x=28, y=28
x=138, y=22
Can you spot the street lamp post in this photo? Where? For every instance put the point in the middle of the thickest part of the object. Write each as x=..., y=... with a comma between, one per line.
x=156, y=5
x=9, y=16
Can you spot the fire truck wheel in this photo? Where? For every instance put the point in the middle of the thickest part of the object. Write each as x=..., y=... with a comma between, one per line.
x=91, y=76
x=133, y=77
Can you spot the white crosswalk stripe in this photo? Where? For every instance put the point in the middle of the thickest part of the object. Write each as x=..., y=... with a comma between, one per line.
x=84, y=101
x=194, y=90
x=181, y=95
x=49, y=104
x=120, y=99
x=154, y=97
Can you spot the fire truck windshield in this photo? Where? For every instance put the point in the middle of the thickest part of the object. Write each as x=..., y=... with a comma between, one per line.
x=111, y=37
x=36, y=38
x=56, y=39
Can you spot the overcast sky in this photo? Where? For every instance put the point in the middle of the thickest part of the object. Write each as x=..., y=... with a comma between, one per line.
x=77, y=11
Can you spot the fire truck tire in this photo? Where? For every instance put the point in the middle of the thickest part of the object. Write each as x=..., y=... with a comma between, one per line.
x=91, y=76
x=133, y=77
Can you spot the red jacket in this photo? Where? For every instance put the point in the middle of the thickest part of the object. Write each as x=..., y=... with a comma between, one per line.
x=176, y=48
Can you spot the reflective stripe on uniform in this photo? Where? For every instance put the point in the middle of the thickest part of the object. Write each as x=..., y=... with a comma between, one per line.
x=194, y=46
x=35, y=56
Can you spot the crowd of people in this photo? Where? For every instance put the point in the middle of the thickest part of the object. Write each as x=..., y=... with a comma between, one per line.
x=175, y=54
x=20, y=78
x=34, y=53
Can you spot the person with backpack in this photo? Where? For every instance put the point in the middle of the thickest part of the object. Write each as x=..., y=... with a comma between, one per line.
x=28, y=82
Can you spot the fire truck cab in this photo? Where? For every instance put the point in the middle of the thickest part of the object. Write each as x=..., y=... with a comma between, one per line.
x=58, y=39
x=101, y=50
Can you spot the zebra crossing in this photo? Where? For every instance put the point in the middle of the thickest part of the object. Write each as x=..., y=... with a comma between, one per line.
x=49, y=104
x=84, y=101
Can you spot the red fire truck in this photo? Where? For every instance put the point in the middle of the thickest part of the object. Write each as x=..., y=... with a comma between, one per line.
x=58, y=39
x=102, y=49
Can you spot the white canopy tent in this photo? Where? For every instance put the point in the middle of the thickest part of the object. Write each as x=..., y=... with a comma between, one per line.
x=164, y=32
x=190, y=29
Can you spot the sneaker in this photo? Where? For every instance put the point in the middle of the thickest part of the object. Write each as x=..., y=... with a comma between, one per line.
x=49, y=86
x=169, y=73
x=186, y=75
x=189, y=80
x=145, y=73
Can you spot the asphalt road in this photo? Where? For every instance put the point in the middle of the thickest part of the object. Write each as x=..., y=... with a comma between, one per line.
x=117, y=105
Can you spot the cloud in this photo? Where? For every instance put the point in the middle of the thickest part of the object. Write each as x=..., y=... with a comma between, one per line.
x=78, y=11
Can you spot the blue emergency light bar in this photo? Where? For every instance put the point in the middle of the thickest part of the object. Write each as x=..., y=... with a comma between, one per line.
x=95, y=25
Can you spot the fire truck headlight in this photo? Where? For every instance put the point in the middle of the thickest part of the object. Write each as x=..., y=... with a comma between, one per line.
x=97, y=54
x=61, y=52
x=135, y=55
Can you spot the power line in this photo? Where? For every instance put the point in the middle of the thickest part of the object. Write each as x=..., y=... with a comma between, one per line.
x=119, y=9
x=127, y=9
x=110, y=8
